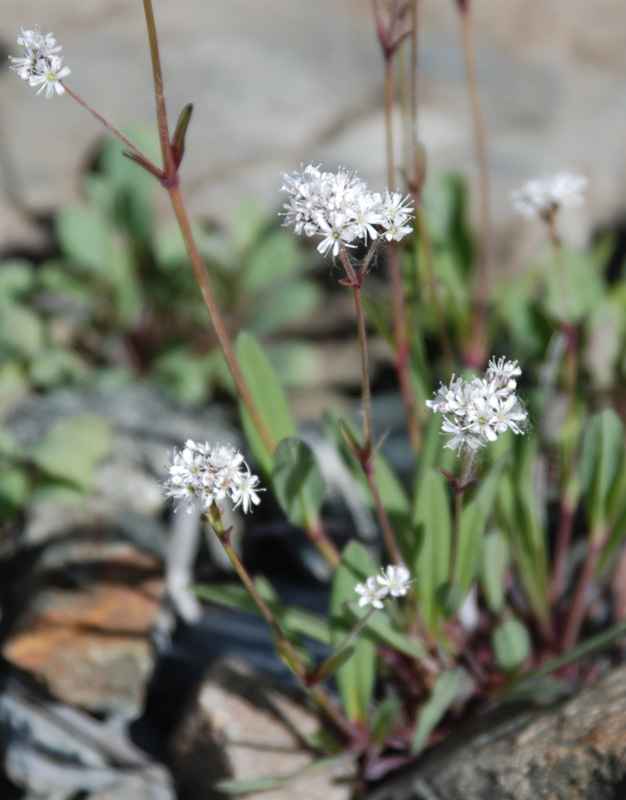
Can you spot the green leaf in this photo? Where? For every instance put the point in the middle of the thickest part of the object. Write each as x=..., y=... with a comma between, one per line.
x=327, y=668
x=46, y=490
x=293, y=621
x=392, y=493
x=433, y=525
x=277, y=257
x=521, y=510
x=590, y=647
x=298, y=482
x=443, y=695
x=470, y=538
x=248, y=221
x=296, y=362
x=21, y=330
x=494, y=564
x=178, y=139
x=584, y=283
x=86, y=237
x=384, y=719
x=183, y=375
x=449, y=597
x=381, y=628
x=72, y=449
x=254, y=785
x=355, y=680
x=511, y=644
x=55, y=366
x=285, y=305
x=268, y=396
x=14, y=490
x=601, y=455
x=17, y=279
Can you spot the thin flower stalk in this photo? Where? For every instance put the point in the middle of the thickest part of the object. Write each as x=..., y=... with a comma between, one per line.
x=366, y=455
x=315, y=532
x=390, y=38
x=283, y=645
x=214, y=518
x=169, y=166
x=415, y=186
x=571, y=361
x=579, y=604
x=142, y=157
x=475, y=355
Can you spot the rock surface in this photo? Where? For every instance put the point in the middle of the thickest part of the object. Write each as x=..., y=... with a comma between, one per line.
x=574, y=751
x=239, y=725
x=282, y=82
x=54, y=751
x=90, y=644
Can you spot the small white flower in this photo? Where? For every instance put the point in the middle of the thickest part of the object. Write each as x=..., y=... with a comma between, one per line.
x=39, y=63
x=542, y=197
x=47, y=74
x=503, y=372
x=371, y=593
x=200, y=475
x=476, y=412
x=244, y=494
x=507, y=413
x=395, y=579
x=340, y=207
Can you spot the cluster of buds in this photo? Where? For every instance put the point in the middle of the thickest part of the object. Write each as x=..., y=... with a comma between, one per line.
x=340, y=208
x=40, y=63
x=394, y=582
x=543, y=197
x=201, y=475
x=478, y=411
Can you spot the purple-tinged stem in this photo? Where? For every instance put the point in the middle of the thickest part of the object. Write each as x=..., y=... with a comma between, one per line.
x=476, y=355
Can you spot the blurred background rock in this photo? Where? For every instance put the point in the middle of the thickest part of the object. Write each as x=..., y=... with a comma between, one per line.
x=280, y=82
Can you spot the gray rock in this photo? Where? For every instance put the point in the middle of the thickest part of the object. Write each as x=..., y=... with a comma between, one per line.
x=575, y=750
x=54, y=751
x=282, y=82
x=241, y=725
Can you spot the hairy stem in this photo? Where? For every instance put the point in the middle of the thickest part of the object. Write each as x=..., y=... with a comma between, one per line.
x=476, y=354
x=169, y=165
x=111, y=128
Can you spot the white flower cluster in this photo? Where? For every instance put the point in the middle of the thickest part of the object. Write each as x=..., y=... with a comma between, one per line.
x=201, y=474
x=478, y=411
x=394, y=581
x=340, y=208
x=541, y=197
x=40, y=63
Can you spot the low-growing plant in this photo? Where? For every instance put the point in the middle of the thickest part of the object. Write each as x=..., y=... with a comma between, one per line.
x=478, y=596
